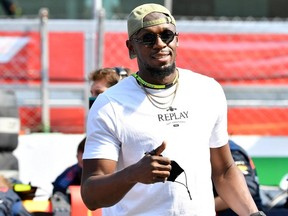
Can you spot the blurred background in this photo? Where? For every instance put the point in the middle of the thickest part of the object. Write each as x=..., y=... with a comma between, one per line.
x=48, y=48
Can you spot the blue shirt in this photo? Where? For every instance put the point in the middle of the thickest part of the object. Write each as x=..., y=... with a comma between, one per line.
x=70, y=176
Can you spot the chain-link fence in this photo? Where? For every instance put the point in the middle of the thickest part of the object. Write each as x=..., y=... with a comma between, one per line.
x=248, y=57
x=46, y=64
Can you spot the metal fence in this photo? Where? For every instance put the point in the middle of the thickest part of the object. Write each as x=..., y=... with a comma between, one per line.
x=47, y=63
x=248, y=57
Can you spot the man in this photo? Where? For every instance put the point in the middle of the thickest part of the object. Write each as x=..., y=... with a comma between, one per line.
x=155, y=139
x=71, y=175
x=104, y=78
x=247, y=167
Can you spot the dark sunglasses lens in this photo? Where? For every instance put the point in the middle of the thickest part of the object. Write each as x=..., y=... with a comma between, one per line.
x=149, y=39
x=167, y=36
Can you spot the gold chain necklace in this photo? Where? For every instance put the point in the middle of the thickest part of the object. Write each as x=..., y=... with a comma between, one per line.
x=161, y=105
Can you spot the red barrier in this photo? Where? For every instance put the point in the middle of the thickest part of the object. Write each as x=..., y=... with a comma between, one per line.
x=234, y=59
x=77, y=205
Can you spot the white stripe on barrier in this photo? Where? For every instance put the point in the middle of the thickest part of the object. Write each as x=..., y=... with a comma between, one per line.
x=9, y=125
x=263, y=146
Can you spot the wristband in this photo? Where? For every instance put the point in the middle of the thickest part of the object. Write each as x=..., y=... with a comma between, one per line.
x=259, y=213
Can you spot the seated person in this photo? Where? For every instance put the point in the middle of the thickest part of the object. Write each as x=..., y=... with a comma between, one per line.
x=10, y=202
x=72, y=175
x=246, y=165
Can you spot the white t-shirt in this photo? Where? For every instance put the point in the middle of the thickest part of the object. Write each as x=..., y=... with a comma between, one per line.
x=123, y=124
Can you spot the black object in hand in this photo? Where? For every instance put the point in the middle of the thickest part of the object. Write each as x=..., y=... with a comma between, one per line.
x=175, y=171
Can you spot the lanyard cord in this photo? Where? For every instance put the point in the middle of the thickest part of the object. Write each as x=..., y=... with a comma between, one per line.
x=185, y=185
x=154, y=86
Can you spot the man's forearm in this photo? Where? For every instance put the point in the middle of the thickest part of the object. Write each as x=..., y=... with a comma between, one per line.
x=220, y=205
x=235, y=192
x=106, y=190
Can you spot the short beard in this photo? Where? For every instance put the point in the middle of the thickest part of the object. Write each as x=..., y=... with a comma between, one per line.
x=161, y=73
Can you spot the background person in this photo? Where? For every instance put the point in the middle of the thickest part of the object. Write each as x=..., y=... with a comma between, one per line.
x=146, y=138
x=106, y=77
x=10, y=202
x=71, y=175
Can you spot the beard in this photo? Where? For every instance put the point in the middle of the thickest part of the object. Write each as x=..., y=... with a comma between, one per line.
x=162, y=72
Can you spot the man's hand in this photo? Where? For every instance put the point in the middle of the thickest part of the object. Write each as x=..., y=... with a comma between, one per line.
x=153, y=167
x=158, y=150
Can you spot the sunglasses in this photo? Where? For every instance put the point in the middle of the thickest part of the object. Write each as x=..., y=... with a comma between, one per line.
x=149, y=39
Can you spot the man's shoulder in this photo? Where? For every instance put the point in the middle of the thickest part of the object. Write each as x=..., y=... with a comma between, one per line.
x=193, y=74
x=193, y=78
x=121, y=91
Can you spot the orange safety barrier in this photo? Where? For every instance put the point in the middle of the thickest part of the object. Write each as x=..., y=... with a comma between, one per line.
x=250, y=121
x=77, y=205
x=37, y=205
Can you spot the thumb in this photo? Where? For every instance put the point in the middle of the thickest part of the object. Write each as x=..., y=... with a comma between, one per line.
x=160, y=149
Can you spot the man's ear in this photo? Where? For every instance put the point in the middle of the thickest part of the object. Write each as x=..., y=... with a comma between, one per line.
x=130, y=47
x=177, y=41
